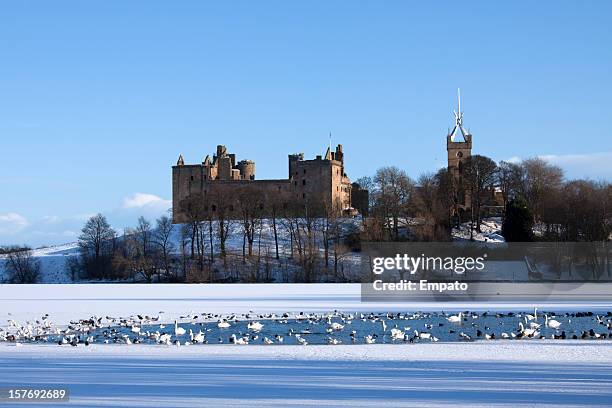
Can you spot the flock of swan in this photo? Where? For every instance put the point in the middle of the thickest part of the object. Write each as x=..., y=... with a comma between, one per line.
x=304, y=328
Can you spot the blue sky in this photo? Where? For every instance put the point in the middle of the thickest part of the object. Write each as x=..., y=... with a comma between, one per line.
x=97, y=100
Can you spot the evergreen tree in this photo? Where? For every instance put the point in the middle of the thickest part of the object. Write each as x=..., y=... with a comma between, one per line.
x=518, y=223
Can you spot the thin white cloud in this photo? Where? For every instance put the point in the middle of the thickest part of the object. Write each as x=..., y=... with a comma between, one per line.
x=12, y=223
x=54, y=219
x=144, y=200
x=589, y=165
x=50, y=219
x=603, y=159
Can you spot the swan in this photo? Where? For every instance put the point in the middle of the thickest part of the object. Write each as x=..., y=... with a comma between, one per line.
x=369, y=339
x=178, y=331
x=533, y=325
x=527, y=332
x=223, y=324
x=552, y=323
x=336, y=326
x=534, y=316
x=196, y=338
x=267, y=341
x=455, y=318
x=397, y=334
x=255, y=326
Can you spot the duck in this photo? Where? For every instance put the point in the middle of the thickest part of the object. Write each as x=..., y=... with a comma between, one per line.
x=240, y=341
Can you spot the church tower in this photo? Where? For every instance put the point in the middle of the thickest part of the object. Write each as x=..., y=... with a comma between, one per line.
x=459, y=149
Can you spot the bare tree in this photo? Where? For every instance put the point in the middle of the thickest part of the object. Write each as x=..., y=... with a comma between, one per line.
x=539, y=180
x=221, y=212
x=21, y=266
x=97, y=244
x=392, y=194
x=198, y=208
x=509, y=176
x=250, y=212
x=434, y=212
x=479, y=175
x=145, y=254
x=163, y=239
x=184, y=249
x=274, y=214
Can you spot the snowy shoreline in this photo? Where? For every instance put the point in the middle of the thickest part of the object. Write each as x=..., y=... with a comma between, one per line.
x=67, y=302
x=560, y=351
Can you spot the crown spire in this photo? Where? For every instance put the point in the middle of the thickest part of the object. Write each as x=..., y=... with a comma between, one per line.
x=459, y=120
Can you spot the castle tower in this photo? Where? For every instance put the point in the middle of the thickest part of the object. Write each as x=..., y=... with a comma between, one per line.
x=293, y=160
x=459, y=149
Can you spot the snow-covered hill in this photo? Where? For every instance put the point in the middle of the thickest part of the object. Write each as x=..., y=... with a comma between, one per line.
x=52, y=263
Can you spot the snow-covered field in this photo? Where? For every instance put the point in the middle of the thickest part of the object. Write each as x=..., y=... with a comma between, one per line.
x=467, y=374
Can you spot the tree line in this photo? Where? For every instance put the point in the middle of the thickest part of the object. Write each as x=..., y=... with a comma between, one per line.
x=532, y=196
x=286, y=245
